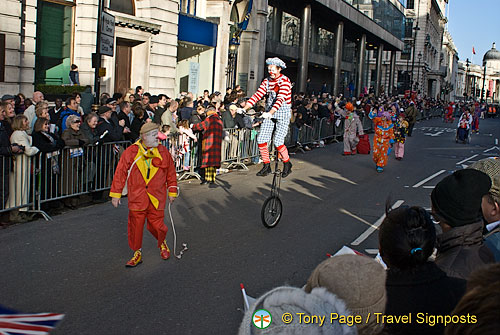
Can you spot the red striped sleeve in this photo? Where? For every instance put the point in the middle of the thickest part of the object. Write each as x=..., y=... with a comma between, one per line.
x=284, y=93
x=259, y=94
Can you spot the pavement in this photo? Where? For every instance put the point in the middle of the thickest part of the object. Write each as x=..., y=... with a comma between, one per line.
x=74, y=264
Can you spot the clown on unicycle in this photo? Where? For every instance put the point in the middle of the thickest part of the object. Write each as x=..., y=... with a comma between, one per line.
x=278, y=89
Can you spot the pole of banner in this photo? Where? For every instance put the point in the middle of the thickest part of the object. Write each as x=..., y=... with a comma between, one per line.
x=97, y=54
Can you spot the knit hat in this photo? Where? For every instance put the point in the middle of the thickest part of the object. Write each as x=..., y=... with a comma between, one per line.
x=345, y=276
x=293, y=300
x=349, y=106
x=147, y=127
x=457, y=198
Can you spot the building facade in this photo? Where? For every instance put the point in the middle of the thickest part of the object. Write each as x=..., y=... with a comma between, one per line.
x=44, y=37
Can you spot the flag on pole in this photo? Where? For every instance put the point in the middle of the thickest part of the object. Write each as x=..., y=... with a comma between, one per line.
x=473, y=51
x=15, y=323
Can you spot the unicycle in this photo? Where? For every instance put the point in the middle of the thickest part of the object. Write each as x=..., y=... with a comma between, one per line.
x=272, y=207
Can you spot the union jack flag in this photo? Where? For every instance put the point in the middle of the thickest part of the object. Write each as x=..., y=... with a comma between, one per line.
x=15, y=323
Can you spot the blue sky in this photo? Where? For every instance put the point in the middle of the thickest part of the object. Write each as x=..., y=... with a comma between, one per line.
x=474, y=23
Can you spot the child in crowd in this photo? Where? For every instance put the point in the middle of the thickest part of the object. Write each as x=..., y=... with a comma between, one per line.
x=400, y=131
x=384, y=136
x=185, y=134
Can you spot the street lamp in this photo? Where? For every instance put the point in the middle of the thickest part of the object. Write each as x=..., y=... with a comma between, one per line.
x=467, y=63
x=234, y=43
x=416, y=28
x=484, y=82
x=418, y=75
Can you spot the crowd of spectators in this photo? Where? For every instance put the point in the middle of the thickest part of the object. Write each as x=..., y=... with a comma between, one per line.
x=435, y=277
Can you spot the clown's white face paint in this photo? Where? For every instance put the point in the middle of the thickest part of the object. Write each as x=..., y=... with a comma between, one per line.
x=274, y=71
x=150, y=139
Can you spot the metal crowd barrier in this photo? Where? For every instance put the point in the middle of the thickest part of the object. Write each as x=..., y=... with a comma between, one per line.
x=28, y=182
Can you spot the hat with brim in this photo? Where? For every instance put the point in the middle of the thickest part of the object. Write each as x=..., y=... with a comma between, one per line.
x=457, y=198
x=7, y=97
x=147, y=127
x=110, y=101
x=103, y=109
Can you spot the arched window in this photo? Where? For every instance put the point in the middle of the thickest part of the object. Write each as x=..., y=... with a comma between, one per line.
x=122, y=6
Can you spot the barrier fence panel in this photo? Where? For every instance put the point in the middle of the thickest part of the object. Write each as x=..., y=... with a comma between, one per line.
x=17, y=183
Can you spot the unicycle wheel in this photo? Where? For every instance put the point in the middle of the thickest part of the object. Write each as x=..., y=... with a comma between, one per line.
x=271, y=212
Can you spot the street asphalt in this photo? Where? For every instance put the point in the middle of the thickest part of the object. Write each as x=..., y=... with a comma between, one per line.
x=75, y=263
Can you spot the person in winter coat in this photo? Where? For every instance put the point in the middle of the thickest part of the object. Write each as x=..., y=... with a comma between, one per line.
x=89, y=128
x=384, y=137
x=352, y=127
x=411, y=117
x=456, y=205
x=50, y=145
x=211, y=143
x=415, y=284
x=73, y=174
x=7, y=150
x=71, y=109
x=20, y=179
x=491, y=204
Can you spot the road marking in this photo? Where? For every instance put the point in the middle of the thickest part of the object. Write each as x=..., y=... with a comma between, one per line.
x=496, y=141
x=435, y=134
x=428, y=178
x=374, y=226
x=356, y=217
x=371, y=251
x=429, y=187
x=492, y=148
x=465, y=160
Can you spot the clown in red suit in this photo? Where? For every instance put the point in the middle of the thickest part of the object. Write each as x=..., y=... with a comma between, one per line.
x=151, y=175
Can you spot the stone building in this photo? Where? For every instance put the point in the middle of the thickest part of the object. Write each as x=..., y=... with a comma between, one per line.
x=44, y=37
x=480, y=83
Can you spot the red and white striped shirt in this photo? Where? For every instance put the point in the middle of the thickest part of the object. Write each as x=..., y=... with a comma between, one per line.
x=281, y=85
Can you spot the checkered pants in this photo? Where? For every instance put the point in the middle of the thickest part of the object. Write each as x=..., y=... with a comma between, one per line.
x=266, y=129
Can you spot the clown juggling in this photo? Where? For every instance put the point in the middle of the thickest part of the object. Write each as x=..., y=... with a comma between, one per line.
x=148, y=171
x=278, y=106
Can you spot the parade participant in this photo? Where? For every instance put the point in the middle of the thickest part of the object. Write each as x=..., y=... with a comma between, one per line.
x=148, y=171
x=400, y=131
x=464, y=124
x=352, y=127
x=211, y=143
x=279, y=91
x=411, y=117
x=384, y=136
x=476, y=114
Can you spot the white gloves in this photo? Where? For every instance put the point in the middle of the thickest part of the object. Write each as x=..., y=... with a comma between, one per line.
x=240, y=111
x=266, y=115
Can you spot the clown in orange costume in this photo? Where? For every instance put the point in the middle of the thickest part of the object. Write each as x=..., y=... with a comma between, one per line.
x=384, y=137
x=148, y=171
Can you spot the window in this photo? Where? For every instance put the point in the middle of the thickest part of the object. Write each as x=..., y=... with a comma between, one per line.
x=409, y=28
x=290, y=30
x=54, y=43
x=188, y=7
x=122, y=6
x=410, y=4
x=405, y=54
x=2, y=58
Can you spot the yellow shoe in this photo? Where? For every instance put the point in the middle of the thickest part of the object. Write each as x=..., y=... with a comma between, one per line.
x=164, y=251
x=135, y=260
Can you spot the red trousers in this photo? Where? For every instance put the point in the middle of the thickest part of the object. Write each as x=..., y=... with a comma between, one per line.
x=156, y=226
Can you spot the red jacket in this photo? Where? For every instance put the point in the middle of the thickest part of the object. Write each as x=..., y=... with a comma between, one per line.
x=142, y=190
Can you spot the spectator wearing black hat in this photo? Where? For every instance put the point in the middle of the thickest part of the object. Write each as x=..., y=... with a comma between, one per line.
x=151, y=107
x=105, y=126
x=456, y=205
